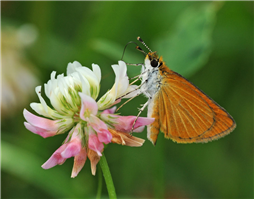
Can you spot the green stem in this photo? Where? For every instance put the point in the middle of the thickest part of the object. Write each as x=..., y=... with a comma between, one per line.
x=98, y=196
x=107, y=177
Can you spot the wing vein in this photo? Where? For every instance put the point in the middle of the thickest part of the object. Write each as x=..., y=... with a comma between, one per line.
x=203, y=101
x=186, y=91
x=194, y=104
x=188, y=117
x=187, y=103
x=186, y=129
x=173, y=112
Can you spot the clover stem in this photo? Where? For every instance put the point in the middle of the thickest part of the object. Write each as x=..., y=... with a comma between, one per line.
x=107, y=177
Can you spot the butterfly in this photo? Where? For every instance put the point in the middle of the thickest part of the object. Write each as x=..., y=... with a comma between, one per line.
x=181, y=110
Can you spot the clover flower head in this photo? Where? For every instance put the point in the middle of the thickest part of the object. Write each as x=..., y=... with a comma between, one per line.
x=90, y=124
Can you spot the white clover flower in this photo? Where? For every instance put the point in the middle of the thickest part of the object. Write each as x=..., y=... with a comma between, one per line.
x=74, y=109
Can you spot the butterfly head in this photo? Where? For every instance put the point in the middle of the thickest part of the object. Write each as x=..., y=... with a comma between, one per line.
x=153, y=60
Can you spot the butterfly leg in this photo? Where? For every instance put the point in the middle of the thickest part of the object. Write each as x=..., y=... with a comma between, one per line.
x=140, y=111
x=139, y=77
x=138, y=91
x=140, y=64
x=125, y=103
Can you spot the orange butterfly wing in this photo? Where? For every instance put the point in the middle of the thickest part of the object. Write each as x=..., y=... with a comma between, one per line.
x=184, y=113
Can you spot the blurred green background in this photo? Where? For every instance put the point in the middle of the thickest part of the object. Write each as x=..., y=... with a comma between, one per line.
x=210, y=43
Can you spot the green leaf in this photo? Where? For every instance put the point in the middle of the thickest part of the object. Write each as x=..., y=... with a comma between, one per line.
x=187, y=48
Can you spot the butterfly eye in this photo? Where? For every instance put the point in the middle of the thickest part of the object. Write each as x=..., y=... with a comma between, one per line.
x=154, y=63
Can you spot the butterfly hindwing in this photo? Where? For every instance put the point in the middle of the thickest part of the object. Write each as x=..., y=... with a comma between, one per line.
x=153, y=112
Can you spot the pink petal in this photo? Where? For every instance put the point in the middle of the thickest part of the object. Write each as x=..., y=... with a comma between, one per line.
x=95, y=144
x=104, y=136
x=72, y=149
x=40, y=122
x=67, y=150
x=88, y=105
x=139, y=129
x=143, y=121
x=125, y=123
x=111, y=110
x=97, y=124
x=101, y=128
x=74, y=145
x=42, y=132
x=79, y=162
x=55, y=159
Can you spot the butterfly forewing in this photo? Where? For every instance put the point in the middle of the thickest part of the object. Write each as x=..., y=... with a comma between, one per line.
x=186, y=114
x=224, y=124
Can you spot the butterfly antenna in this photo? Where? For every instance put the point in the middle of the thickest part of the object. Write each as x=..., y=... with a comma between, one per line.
x=130, y=42
x=140, y=50
x=139, y=39
x=137, y=47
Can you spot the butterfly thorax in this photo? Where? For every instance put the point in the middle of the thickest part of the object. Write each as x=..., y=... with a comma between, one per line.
x=151, y=77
